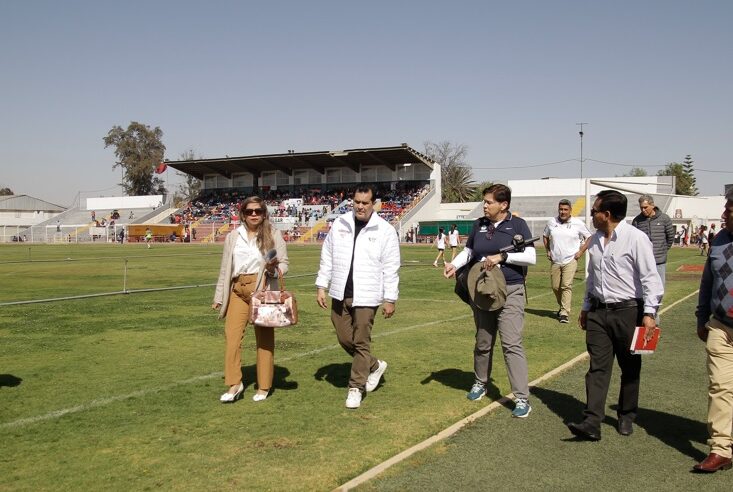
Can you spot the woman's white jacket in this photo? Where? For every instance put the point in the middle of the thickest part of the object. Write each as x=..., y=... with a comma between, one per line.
x=376, y=261
x=224, y=284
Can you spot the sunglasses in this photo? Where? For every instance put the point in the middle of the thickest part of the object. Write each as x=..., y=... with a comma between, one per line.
x=490, y=231
x=593, y=211
x=253, y=211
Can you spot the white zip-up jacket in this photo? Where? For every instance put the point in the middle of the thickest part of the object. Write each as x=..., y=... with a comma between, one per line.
x=376, y=261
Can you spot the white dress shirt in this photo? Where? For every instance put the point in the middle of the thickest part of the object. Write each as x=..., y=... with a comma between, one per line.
x=247, y=256
x=623, y=269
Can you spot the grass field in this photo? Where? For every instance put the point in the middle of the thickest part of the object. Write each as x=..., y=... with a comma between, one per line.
x=121, y=392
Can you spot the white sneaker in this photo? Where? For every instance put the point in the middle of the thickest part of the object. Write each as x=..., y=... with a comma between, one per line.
x=353, y=399
x=375, y=377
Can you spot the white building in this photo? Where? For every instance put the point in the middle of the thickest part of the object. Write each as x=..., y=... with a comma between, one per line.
x=18, y=212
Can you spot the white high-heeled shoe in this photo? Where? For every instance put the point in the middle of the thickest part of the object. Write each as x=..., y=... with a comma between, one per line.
x=260, y=396
x=232, y=397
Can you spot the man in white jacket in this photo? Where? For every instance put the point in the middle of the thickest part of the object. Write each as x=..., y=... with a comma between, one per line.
x=360, y=262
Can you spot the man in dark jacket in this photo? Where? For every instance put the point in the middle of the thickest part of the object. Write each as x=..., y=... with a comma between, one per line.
x=658, y=227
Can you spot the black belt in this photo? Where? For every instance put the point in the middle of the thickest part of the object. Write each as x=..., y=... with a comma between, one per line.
x=725, y=323
x=616, y=305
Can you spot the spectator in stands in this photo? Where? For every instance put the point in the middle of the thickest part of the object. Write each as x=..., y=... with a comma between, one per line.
x=492, y=232
x=564, y=239
x=454, y=240
x=359, y=267
x=440, y=244
x=94, y=215
x=132, y=215
x=243, y=269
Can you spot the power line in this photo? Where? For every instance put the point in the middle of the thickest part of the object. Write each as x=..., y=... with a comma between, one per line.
x=528, y=166
x=656, y=165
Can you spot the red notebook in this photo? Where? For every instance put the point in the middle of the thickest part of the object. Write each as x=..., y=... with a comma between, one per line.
x=639, y=346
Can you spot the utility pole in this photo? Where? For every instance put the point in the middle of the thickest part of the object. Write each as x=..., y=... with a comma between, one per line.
x=581, y=147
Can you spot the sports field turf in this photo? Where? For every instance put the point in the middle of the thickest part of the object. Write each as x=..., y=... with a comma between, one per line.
x=121, y=392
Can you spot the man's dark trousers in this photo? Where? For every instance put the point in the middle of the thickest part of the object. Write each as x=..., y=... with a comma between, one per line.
x=609, y=332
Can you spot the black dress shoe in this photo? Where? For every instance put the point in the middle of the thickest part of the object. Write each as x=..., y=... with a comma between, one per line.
x=584, y=431
x=625, y=426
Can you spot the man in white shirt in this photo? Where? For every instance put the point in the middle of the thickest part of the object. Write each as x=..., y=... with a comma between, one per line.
x=623, y=291
x=564, y=239
x=360, y=262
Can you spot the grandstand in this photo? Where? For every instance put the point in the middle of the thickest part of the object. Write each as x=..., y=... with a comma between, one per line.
x=305, y=191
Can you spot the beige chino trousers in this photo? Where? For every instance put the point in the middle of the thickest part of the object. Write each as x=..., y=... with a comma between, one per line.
x=237, y=317
x=720, y=390
x=561, y=279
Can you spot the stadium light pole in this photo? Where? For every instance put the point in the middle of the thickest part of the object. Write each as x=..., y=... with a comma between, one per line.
x=581, y=147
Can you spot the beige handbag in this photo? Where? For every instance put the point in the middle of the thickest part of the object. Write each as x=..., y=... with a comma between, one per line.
x=274, y=308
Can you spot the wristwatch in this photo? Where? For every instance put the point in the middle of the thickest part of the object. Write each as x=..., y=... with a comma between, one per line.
x=504, y=256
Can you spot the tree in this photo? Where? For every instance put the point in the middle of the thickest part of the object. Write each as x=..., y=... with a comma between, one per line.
x=191, y=186
x=6, y=192
x=478, y=195
x=637, y=172
x=139, y=150
x=684, y=182
x=690, y=171
x=456, y=175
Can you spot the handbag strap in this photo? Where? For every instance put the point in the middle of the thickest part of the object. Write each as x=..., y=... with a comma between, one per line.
x=278, y=276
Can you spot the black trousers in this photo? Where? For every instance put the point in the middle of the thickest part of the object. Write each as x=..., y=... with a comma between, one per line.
x=608, y=334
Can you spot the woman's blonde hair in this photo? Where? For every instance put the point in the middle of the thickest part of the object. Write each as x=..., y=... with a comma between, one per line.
x=264, y=231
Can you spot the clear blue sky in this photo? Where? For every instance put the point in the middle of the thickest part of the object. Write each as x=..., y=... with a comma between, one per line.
x=508, y=79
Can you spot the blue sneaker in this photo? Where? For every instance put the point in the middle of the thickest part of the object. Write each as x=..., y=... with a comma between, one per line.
x=521, y=408
x=478, y=390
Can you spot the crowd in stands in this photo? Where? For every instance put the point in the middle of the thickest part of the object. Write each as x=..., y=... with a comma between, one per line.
x=304, y=206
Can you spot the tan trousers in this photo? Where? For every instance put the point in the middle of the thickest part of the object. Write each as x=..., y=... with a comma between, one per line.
x=561, y=279
x=236, y=320
x=720, y=390
x=354, y=331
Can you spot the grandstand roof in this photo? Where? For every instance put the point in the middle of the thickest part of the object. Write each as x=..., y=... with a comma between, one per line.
x=27, y=203
x=390, y=157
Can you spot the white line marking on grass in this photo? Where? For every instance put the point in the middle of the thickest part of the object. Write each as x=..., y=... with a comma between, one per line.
x=136, y=394
x=376, y=470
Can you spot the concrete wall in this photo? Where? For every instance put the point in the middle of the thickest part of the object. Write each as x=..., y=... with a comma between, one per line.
x=25, y=218
x=698, y=209
x=112, y=202
x=575, y=186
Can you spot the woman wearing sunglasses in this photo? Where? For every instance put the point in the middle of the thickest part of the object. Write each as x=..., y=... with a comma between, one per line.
x=244, y=267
